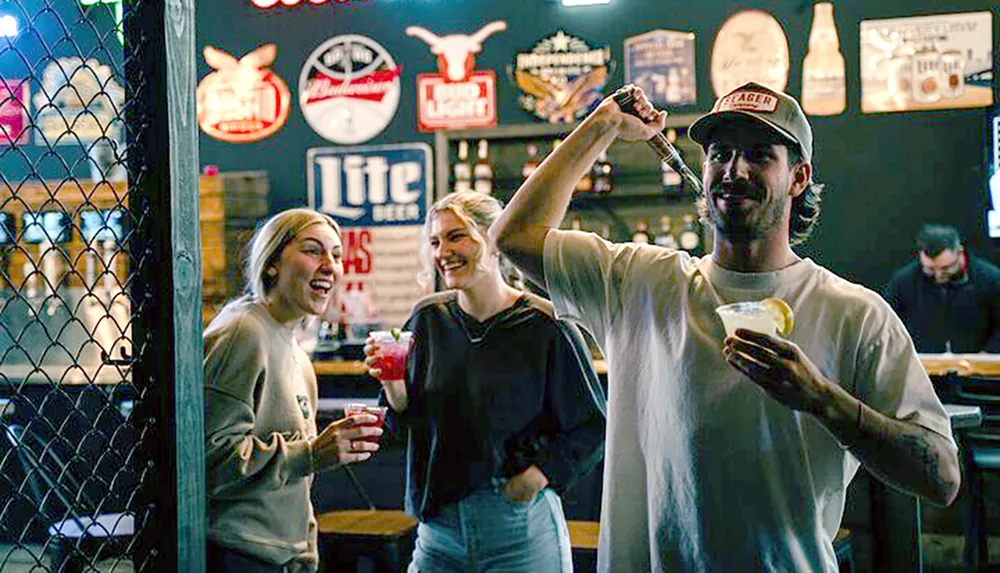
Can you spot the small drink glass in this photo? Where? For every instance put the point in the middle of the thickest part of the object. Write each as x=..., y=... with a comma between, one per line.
x=391, y=353
x=354, y=409
x=749, y=315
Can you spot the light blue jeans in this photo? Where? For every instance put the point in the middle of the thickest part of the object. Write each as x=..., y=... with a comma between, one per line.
x=484, y=532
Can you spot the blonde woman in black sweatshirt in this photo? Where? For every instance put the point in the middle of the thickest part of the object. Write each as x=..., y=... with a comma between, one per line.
x=497, y=408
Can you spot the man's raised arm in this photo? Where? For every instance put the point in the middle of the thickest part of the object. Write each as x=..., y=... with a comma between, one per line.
x=540, y=203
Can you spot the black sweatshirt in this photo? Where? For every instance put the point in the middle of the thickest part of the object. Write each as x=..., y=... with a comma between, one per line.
x=966, y=313
x=489, y=399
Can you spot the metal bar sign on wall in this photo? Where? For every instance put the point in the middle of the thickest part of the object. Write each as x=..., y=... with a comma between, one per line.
x=380, y=195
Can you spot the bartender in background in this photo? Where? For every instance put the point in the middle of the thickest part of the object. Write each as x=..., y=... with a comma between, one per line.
x=948, y=299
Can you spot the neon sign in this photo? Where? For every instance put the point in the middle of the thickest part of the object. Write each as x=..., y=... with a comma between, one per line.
x=272, y=3
x=242, y=100
x=119, y=28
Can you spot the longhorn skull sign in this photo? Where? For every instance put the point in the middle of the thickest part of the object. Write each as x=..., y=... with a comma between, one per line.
x=456, y=52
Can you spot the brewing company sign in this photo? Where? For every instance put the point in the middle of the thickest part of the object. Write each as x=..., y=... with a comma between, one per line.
x=561, y=77
x=456, y=97
x=379, y=195
x=349, y=89
x=79, y=102
x=242, y=100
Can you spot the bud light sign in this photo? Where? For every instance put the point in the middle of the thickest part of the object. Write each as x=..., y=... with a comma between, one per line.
x=376, y=185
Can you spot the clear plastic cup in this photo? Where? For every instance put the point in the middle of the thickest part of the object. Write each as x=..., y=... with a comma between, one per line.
x=377, y=411
x=749, y=315
x=391, y=353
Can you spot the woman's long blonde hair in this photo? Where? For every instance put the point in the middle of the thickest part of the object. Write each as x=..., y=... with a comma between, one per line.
x=268, y=241
x=478, y=211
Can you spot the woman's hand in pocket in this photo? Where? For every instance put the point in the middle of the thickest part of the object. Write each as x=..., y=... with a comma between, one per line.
x=523, y=487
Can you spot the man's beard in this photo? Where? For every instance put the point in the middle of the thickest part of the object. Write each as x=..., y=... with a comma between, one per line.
x=741, y=226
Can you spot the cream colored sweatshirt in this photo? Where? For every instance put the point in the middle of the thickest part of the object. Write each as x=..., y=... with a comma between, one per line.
x=260, y=412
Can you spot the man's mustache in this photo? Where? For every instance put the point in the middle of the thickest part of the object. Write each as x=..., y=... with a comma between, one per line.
x=738, y=188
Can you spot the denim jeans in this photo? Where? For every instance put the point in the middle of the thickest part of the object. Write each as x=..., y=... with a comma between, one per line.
x=484, y=532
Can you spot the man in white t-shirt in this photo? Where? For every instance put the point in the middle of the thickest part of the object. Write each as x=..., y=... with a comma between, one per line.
x=731, y=453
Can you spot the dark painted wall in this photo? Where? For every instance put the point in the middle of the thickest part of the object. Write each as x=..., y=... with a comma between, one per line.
x=885, y=173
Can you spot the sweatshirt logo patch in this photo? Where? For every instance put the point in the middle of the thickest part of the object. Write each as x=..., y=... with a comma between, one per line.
x=303, y=405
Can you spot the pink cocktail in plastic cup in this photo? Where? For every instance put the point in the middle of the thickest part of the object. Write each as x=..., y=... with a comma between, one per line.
x=377, y=411
x=392, y=353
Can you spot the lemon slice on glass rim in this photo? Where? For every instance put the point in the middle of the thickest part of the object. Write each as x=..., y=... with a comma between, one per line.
x=781, y=313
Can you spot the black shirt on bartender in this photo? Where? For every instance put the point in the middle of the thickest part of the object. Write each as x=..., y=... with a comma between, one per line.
x=489, y=399
x=963, y=315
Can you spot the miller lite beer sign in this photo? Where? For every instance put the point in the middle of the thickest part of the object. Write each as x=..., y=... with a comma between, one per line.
x=242, y=100
x=372, y=185
x=456, y=97
x=380, y=195
x=349, y=89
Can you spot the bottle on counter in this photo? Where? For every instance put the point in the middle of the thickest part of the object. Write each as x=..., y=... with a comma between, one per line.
x=462, y=170
x=482, y=173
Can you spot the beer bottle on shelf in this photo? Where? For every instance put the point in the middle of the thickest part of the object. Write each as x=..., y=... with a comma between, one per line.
x=641, y=233
x=665, y=238
x=482, y=172
x=576, y=223
x=603, y=182
x=531, y=163
x=690, y=235
x=606, y=231
x=586, y=183
x=670, y=179
x=824, y=89
x=462, y=170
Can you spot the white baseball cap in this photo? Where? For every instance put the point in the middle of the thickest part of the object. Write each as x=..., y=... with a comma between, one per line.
x=762, y=105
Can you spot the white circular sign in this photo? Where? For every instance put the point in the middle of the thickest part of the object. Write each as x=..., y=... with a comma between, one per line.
x=750, y=47
x=349, y=89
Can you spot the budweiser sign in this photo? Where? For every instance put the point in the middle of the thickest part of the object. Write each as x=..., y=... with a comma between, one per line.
x=349, y=89
x=456, y=97
x=242, y=100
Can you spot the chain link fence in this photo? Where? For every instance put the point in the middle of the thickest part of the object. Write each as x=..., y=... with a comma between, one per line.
x=70, y=496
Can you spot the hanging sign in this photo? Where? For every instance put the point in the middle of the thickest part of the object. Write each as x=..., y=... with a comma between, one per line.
x=661, y=62
x=561, y=77
x=14, y=102
x=456, y=97
x=750, y=47
x=79, y=102
x=242, y=100
x=927, y=62
x=349, y=89
x=379, y=195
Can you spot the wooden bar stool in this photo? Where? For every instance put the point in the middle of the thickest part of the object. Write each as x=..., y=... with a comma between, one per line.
x=384, y=535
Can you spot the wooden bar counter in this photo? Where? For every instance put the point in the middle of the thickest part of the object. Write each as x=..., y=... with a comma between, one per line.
x=985, y=365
